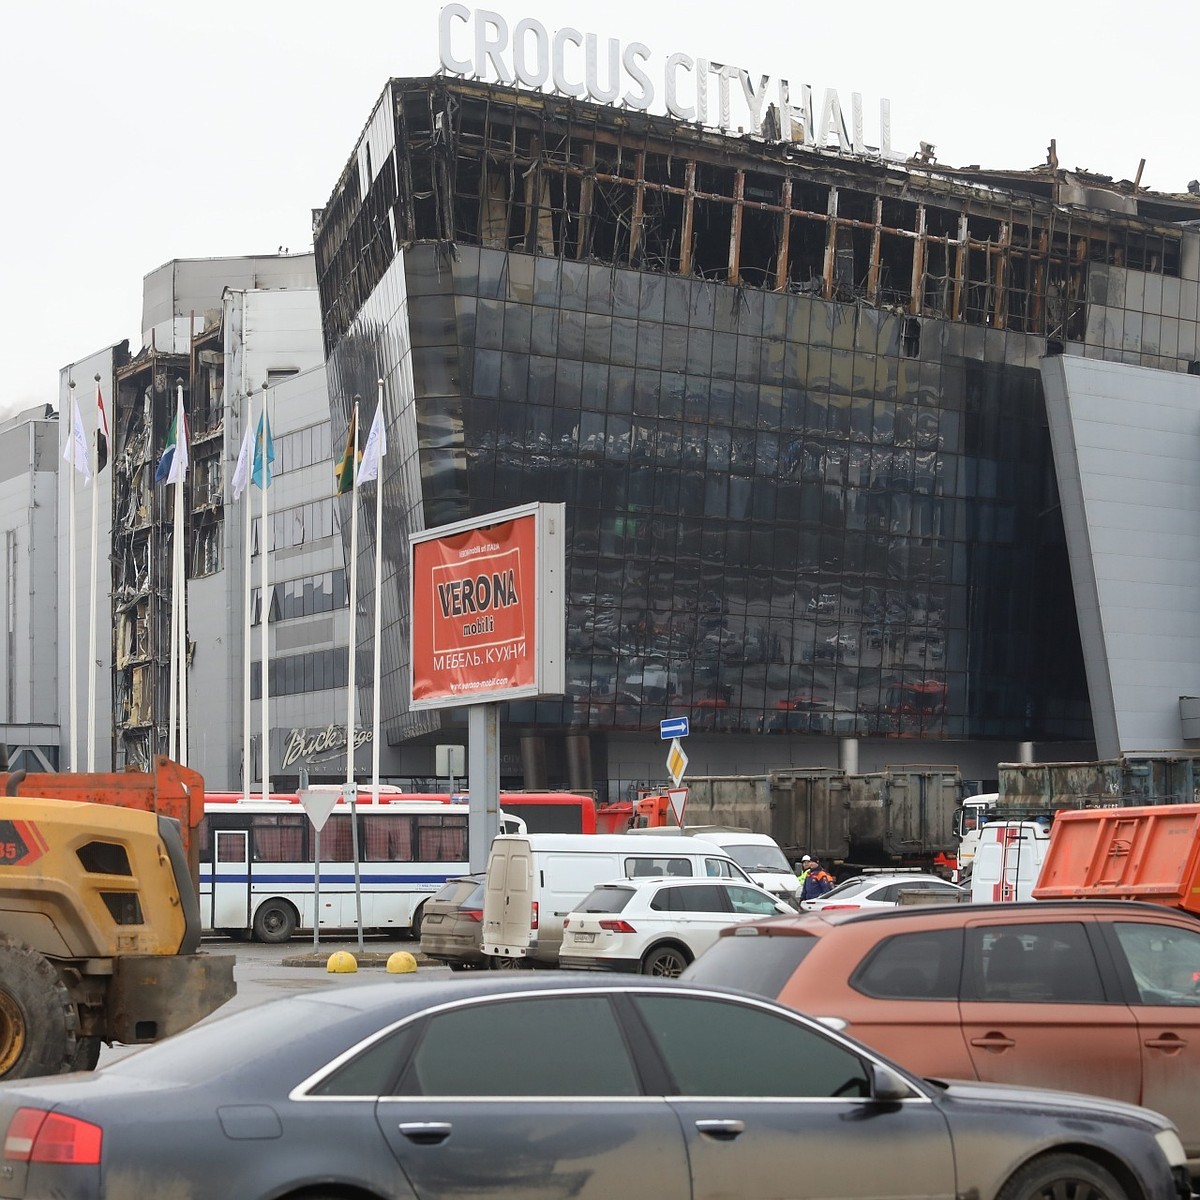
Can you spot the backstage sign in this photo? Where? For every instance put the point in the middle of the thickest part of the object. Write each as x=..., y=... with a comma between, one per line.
x=317, y=745
x=480, y=44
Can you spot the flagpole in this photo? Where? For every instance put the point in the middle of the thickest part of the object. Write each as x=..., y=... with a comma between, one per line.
x=173, y=669
x=72, y=638
x=265, y=614
x=181, y=559
x=350, y=789
x=247, y=624
x=378, y=597
x=94, y=604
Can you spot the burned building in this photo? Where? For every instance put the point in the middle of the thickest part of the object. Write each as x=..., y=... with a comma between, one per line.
x=145, y=400
x=219, y=329
x=791, y=397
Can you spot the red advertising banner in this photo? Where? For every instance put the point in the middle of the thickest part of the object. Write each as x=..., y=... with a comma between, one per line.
x=474, y=613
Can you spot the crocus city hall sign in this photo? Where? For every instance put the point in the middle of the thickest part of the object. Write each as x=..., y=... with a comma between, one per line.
x=479, y=43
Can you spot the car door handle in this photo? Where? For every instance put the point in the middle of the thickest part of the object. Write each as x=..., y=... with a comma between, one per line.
x=426, y=1133
x=1172, y=1043
x=724, y=1131
x=993, y=1041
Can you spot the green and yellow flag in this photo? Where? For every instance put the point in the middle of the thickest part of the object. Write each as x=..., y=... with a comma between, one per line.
x=343, y=469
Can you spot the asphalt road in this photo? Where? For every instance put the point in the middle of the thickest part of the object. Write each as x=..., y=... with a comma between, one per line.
x=267, y=972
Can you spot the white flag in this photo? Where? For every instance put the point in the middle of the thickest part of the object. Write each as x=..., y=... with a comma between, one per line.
x=375, y=448
x=76, y=451
x=241, y=473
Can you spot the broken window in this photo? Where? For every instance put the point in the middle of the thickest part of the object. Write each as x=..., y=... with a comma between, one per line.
x=206, y=549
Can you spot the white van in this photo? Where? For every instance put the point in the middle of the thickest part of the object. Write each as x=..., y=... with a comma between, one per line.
x=760, y=856
x=535, y=880
x=756, y=853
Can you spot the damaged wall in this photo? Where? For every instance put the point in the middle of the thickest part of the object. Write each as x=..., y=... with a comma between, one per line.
x=482, y=164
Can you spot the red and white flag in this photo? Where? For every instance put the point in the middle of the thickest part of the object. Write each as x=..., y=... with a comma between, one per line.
x=101, y=432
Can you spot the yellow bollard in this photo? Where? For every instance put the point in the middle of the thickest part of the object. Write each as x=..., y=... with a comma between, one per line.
x=401, y=963
x=341, y=962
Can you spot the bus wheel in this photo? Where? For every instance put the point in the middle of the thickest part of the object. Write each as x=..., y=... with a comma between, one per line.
x=275, y=921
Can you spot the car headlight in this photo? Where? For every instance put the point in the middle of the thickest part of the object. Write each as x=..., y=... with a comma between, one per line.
x=1172, y=1148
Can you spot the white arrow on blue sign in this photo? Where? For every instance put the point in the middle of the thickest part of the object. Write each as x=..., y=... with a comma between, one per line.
x=673, y=727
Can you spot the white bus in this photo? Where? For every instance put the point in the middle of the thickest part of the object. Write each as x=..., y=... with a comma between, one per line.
x=256, y=864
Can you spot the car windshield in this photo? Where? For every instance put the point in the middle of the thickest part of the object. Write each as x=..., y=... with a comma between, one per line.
x=759, y=858
x=220, y=1045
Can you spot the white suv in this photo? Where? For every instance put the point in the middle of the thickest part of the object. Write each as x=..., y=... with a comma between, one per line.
x=658, y=926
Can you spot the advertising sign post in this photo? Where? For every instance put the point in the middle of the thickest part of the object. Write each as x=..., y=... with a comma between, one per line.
x=487, y=598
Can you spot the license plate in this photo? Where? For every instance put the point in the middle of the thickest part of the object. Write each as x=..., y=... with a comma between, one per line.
x=433, y=919
x=585, y=937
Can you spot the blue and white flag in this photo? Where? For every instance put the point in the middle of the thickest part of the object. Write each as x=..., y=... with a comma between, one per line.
x=264, y=453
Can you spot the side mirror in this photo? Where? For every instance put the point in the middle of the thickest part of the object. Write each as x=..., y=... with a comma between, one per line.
x=888, y=1087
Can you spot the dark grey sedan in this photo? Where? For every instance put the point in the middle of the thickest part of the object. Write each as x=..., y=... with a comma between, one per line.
x=552, y=1087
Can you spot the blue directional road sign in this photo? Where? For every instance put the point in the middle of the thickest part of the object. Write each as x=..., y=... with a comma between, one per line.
x=673, y=727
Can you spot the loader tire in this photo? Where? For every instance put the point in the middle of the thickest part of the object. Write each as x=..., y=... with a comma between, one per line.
x=87, y=1054
x=38, y=1022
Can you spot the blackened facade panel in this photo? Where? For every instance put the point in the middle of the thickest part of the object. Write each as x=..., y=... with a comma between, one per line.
x=823, y=504
x=777, y=521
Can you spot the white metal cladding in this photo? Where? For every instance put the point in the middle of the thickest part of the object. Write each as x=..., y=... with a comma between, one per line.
x=1126, y=445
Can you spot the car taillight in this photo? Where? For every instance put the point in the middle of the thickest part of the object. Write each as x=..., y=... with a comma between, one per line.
x=474, y=914
x=834, y=907
x=35, y=1135
x=617, y=926
x=533, y=915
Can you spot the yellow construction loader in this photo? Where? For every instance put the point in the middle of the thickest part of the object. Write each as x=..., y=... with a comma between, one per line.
x=99, y=919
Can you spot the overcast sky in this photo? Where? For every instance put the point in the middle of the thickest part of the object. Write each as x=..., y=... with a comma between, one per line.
x=137, y=131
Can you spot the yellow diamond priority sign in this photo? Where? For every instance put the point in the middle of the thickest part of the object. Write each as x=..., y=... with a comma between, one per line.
x=677, y=761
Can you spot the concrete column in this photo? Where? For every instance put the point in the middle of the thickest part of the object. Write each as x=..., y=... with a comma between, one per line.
x=848, y=755
x=579, y=762
x=533, y=762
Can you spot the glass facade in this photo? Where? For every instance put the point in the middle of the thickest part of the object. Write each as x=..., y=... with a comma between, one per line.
x=782, y=519
x=793, y=408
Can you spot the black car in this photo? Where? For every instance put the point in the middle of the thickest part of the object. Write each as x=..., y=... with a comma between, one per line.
x=555, y=1086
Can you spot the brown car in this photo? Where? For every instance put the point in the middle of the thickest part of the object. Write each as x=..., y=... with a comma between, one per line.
x=452, y=924
x=1088, y=996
